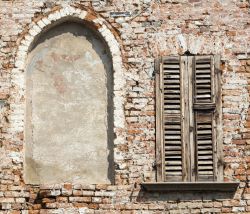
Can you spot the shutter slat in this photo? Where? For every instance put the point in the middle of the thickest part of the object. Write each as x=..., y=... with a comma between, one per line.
x=172, y=87
x=171, y=76
x=170, y=142
x=203, y=64
x=173, y=168
x=173, y=147
x=172, y=127
x=176, y=163
x=172, y=152
x=202, y=71
x=172, y=137
x=171, y=96
x=172, y=132
x=202, y=147
x=168, y=81
x=205, y=158
x=168, y=66
x=205, y=162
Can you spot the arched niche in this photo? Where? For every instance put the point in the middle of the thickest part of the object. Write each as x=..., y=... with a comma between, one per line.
x=69, y=107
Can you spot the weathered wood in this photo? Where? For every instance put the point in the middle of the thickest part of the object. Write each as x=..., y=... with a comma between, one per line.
x=172, y=96
x=202, y=75
x=203, y=81
x=203, y=141
x=205, y=158
x=172, y=142
x=172, y=87
x=205, y=147
x=205, y=65
x=189, y=104
x=172, y=111
x=172, y=107
x=185, y=118
x=204, y=131
x=192, y=148
x=159, y=119
x=171, y=81
x=203, y=95
x=175, y=147
x=170, y=59
x=213, y=94
x=172, y=119
x=203, y=71
x=172, y=137
x=173, y=132
x=170, y=66
x=170, y=72
x=218, y=119
x=172, y=152
x=202, y=162
x=175, y=127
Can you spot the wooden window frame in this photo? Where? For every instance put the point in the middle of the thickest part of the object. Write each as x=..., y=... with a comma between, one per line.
x=187, y=71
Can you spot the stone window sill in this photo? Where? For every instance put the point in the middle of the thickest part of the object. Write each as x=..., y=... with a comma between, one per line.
x=190, y=186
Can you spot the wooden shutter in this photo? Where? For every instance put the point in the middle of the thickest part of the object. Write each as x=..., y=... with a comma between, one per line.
x=171, y=119
x=188, y=115
x=204, y=118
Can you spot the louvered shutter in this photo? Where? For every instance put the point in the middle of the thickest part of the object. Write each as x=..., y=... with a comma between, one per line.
x=188, y=119
x=171, y=79
x=172, y=119
x=204, y=118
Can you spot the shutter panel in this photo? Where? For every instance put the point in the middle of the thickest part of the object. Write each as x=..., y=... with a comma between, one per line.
x=188, y=119
x=203, y=83
x=204, y=145
x=172, y=127
x=204, y=107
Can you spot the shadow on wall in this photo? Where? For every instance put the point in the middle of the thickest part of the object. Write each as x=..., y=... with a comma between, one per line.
x=145, y=196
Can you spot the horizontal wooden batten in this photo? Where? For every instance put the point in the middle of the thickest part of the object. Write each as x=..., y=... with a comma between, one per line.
x=204, y=106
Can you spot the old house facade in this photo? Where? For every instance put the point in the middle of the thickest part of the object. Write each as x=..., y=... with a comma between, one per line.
x=124, y=106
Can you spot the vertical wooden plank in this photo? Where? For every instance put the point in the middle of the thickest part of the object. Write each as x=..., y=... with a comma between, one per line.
x=213, y=94
x=218, y=118
x=193, y=167
x=185, y=117
x=159, y=119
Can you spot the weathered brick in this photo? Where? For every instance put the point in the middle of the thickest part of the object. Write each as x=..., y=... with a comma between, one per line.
x=153, y=29
x=79, y=199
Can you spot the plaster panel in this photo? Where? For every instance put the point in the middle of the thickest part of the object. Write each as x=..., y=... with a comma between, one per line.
x=68, y=108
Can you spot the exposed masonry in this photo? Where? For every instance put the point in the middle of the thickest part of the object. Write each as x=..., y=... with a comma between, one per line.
x=155, y=28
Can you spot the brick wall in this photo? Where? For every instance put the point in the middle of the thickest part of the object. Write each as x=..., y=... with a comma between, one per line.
x=152, y=29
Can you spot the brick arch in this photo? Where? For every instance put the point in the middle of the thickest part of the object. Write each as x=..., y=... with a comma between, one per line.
x=37, y=28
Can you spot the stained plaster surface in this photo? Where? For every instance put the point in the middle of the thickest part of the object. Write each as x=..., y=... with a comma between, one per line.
x=67, y=108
